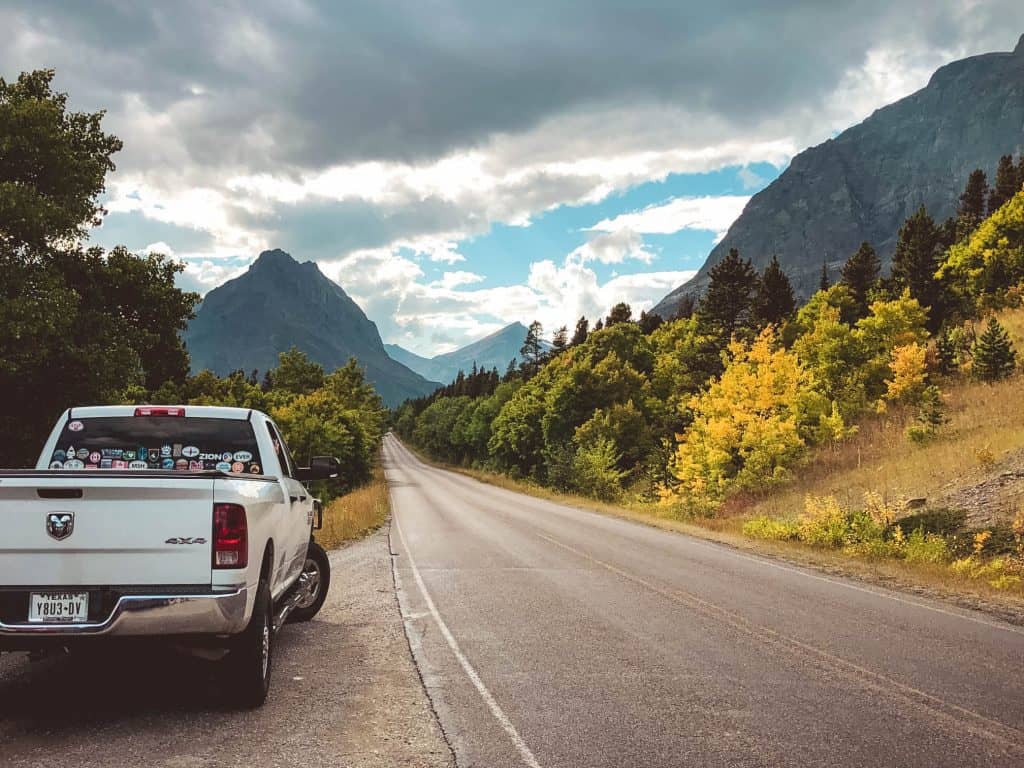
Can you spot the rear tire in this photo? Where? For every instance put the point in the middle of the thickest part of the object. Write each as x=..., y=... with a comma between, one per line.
x=250, y=661
x=316, y=578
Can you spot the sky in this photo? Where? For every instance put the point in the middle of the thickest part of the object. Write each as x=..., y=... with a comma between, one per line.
x=457, y=165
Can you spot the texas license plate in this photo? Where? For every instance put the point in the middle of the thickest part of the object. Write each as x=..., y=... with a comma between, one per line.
x=58, y=607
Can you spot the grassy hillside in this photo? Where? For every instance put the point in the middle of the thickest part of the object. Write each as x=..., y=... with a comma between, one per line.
x=971, y=465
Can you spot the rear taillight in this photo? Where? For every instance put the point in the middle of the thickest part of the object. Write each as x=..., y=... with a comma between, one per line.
x=149, y=410
x=230, y=536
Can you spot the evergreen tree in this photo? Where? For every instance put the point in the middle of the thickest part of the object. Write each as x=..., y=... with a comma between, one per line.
x=994, y=356
x=918, y=249
x=860, y=274
x=649, y=323
x=726, y=307
x=580, y=334
x=971, y=211
x=599, y=325
x=687, y=306
x=945, y=349
x=823, y=282
x=774, y=300
x=560, y=341
x=533, y=347
x=510, y=372
x=621, y=313
x=1007, y=184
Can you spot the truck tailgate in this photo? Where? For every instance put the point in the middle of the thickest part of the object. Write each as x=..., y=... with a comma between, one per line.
x=135, y=529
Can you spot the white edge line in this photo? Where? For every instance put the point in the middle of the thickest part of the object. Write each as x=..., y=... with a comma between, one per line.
x=492, y=704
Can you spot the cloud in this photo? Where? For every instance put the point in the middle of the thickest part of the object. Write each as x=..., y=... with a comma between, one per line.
x=715, y=214
x=613, y=247
x=749, y=179
x=385, y=136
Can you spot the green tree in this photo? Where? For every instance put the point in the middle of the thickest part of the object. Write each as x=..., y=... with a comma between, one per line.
x=915, y=262
x=533, y=348
x=726, y=308
x=560, y=341
x=993, y=354
x=296, y=373
x=1007, y=184
x=774, y=301
x=649, y=322
x=971, y=210
x=77, y=325
x=53, y=166
x=580, y=334
x=861, y=274
x=621, y=313
x=823, y=281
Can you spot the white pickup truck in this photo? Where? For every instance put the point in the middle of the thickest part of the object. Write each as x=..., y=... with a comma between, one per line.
x=186, y=524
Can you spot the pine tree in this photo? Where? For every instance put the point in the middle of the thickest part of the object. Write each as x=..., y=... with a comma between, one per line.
x=560, y=341
x=945, y=350
x=533, y=347
x=774, y=300
x=971, y=211
x=727, y=305
x=599, y=325
x=994, y=356
x=823, y=282
x=915, y=261
x=686, y=307
x=931, y=416
x=1007, y=184
x=860, y=274
x=621, y=313
x=649, y=323
x=581, y=332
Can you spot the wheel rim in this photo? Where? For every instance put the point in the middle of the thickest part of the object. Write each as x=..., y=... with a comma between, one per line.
x=265, y=649
x=310, y=583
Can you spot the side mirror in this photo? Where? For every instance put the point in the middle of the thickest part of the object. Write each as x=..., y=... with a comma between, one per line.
x=320, y=468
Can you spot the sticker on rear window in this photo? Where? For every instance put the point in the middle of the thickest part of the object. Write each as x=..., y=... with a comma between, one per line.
x=75, y=426
x=74, y=464
x=243, y=456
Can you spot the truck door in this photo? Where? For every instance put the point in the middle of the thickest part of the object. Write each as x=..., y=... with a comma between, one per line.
x=298, y=512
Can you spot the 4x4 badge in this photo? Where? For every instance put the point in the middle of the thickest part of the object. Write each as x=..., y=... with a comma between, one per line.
x=60, y=525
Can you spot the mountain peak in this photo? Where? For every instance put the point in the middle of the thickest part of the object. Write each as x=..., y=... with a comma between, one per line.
x=862, y=184
x=274, y=257
x=279, y=303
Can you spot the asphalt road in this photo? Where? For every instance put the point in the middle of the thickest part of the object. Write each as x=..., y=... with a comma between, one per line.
x=345, y=693
x=550, y=636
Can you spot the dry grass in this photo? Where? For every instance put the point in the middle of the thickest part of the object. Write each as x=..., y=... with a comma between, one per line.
x=986, y=420
x=355, y=514
x=986, y=430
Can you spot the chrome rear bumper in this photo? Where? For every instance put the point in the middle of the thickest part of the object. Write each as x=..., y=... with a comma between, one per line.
x=148, y=615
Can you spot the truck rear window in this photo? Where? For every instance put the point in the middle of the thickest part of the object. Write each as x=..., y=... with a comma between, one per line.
x=158, y=442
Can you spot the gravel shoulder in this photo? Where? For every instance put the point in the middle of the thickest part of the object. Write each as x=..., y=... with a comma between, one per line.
x=346, y=693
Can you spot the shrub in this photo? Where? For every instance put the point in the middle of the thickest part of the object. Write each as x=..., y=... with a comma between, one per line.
x=824, y=523
x=941, y=520
x=597, y=472
x=922, y=547
x=764, y=527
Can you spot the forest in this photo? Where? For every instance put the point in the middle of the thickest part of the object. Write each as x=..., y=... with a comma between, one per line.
x=729, y=400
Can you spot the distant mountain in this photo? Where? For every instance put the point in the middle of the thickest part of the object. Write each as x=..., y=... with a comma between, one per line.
x=494, y=351
x=245, y=323
x=864, y=183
